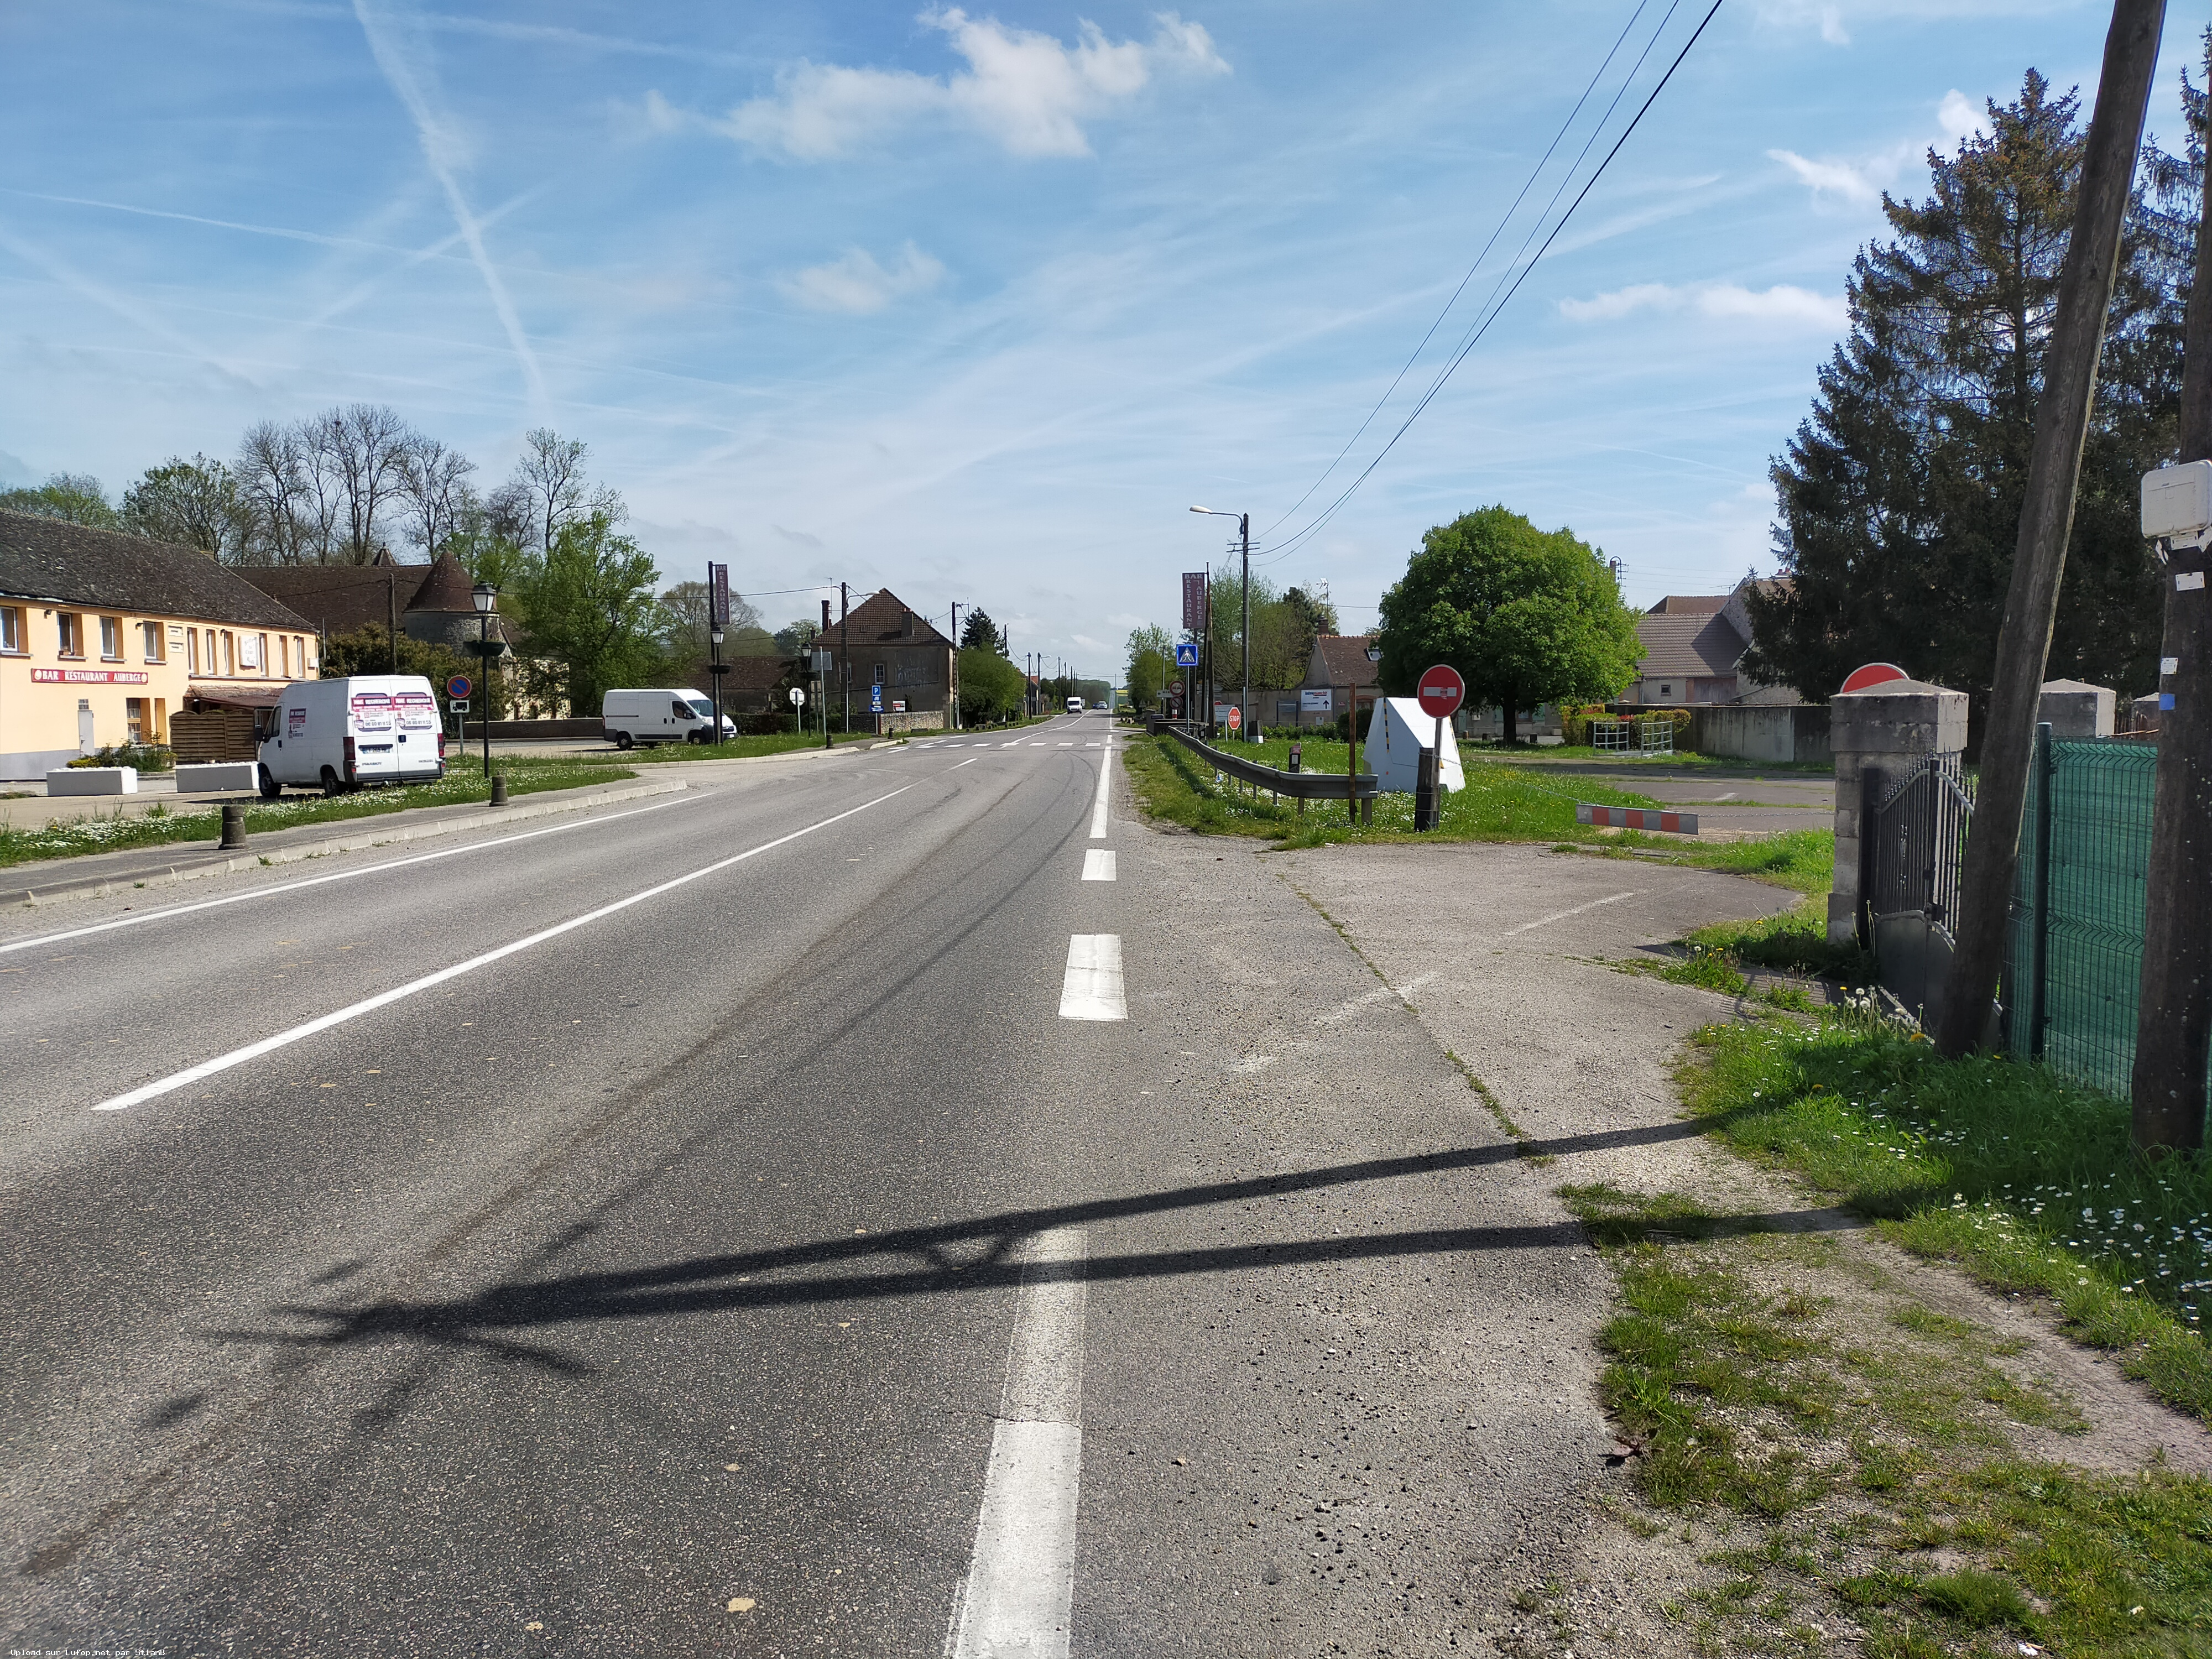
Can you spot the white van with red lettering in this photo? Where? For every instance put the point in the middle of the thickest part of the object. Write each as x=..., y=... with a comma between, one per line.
x=338, y=735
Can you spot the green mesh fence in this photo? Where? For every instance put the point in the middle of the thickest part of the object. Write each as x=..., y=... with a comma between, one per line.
x=2077, y=916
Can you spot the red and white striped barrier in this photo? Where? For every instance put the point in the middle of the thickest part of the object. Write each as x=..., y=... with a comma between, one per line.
x=1637, y=818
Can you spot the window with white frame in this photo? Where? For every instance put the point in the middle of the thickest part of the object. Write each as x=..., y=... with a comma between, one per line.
x=69, y=633
x=11, y=629
x=110, y=639
x=151, y=634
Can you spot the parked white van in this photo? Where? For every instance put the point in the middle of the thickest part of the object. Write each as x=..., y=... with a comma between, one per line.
x=671, y=715
x=341, y=734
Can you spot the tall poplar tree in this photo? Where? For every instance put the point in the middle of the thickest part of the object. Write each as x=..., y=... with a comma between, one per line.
x=1900, y=497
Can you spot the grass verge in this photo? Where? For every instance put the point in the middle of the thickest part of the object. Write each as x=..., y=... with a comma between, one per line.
x=2025, y=1180
x=162, y=826
x=1858, y=1452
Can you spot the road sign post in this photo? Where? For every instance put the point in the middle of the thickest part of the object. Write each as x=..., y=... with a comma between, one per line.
x=1440, y=691
x=1235, y=718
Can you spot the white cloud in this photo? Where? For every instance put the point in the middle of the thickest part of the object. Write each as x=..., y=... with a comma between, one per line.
x=1781, y=303
x=1959, y=117
x=1027, y=92
x=1857, y=182
x=857, y=284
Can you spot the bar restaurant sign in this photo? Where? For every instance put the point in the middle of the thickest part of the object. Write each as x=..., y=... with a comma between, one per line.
x=88, y=676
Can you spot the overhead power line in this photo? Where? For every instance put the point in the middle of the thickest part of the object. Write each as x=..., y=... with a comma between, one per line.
x=1482, y=327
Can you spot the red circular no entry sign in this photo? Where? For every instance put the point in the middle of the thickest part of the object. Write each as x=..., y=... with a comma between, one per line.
x=1874, y=674
x=1442, y=691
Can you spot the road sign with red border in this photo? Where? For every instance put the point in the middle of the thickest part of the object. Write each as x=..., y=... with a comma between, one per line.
x=459, y=687
x=1442, y=691
x=1235, y=717
x=1874, y=673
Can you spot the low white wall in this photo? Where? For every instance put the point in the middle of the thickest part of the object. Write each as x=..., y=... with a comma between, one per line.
x=1782, y=733
x=93, y=781
x=234, y=777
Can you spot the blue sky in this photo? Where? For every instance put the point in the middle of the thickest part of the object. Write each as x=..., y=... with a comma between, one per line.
x=974, y=304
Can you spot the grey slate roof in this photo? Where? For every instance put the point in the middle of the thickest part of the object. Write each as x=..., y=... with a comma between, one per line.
x=1693, y=646
x=56, y=562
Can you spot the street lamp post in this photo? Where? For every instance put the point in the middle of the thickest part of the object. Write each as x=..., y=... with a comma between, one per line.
x=717, y=668
x=486, y=598
x=1244, y=536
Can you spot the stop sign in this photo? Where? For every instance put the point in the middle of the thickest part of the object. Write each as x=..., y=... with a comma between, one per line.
x=1236, y=717
x=1442, y=691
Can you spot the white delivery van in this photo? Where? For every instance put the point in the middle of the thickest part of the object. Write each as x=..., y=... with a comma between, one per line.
x=341, y=734
x=1075, y=705
x=672, y=715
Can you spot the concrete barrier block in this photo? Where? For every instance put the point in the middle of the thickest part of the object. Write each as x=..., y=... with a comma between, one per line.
x=93, y=781
x=232, y=777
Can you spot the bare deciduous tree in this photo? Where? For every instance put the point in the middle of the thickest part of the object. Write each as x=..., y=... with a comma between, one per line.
x=363, y=448
x=551, y=477
x=435, y=481
x=292, y=523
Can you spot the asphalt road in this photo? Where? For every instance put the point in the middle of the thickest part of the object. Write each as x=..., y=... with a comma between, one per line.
x=822, y=1212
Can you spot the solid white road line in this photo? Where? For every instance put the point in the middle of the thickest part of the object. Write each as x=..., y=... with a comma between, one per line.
x=1092, y=988
x=1097, y=863
x=1105, y=787
x=143, y=916
x=1021, y=1579
x=208, y=1068
x=1561, y=915
x=970, y=761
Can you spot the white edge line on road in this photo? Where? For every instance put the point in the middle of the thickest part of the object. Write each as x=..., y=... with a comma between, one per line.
x=1099, y=864
x=1105, y=783
x=342, y=875
x=1092, y=988
x=1561, y=915
x=970, y=761
x=1020, y=1588
x=208, y=1068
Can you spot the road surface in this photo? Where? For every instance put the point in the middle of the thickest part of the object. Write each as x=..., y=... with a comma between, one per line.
x=893, y=1207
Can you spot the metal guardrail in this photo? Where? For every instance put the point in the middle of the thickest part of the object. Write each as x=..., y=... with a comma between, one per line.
x=1294, y=785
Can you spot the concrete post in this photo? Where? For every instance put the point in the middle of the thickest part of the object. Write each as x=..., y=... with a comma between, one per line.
x=2074, y=708
x=1879, y=736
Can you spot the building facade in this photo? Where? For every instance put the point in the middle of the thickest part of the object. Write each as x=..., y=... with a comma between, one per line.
x=891, y=662
x=1693, y=649
x=105, y=636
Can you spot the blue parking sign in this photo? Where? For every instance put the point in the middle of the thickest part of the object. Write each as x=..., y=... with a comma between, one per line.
x=875, y=700
x=1187, y=654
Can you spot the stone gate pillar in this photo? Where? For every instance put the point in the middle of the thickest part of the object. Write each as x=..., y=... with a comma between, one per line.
x=1879, y=736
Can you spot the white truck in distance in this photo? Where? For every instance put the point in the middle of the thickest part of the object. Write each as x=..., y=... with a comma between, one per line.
x=341, y=734
x=671, y=715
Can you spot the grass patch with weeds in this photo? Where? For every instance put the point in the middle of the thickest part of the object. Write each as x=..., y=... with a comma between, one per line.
x=2026, y=1179
x=1863, y=1444
x=163, y=825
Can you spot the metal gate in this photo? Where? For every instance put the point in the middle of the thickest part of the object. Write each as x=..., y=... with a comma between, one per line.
x=1918, y=840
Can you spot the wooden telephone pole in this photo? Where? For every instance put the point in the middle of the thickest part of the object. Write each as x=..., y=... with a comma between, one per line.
x=2046, y=518
x=2173, y=1017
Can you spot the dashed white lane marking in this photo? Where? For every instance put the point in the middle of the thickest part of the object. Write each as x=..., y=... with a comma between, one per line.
x=1092, y=988
x=970, y=761
x=1066, y=745
x=208, y=1068
x=144, y=916
x=1021, y=1580
x=1099, y=864
x=1561, y=915
x=1105, y=786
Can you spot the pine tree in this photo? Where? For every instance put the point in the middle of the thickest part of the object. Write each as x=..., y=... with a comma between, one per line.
x=1900, y=497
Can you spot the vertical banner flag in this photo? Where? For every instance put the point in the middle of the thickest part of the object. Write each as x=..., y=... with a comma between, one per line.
x=718, y=595
x=1193, y=601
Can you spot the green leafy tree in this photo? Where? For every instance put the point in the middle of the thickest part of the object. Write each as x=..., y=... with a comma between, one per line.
x=1900, y=497
x=1152, y=665
x=990, y=686
x=197, y=503
x=76, y=497
x=1527, y=615
x=588, y=605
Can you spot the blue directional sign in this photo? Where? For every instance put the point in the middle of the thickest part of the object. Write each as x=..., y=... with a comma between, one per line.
x=1187, y=654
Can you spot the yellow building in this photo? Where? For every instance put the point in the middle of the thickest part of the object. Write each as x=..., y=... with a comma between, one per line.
x=103, y=636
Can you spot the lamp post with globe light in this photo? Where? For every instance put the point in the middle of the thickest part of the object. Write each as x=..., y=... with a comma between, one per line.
x=486, y=597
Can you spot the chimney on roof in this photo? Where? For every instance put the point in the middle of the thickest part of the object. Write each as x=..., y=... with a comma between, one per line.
x=825, y=615
x=906, y=624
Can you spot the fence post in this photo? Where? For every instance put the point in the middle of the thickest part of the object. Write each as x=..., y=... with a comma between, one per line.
x=1887, y=730
x=2039, y=956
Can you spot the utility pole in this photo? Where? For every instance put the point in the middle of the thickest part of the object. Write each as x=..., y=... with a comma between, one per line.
x=952, y=667
x=1245, y=533
x=2046, y=518
x=844, y=652
x=391, y=615
x=2174, y=1015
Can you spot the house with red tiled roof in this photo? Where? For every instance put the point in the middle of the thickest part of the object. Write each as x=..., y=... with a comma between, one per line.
x=893, y=664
